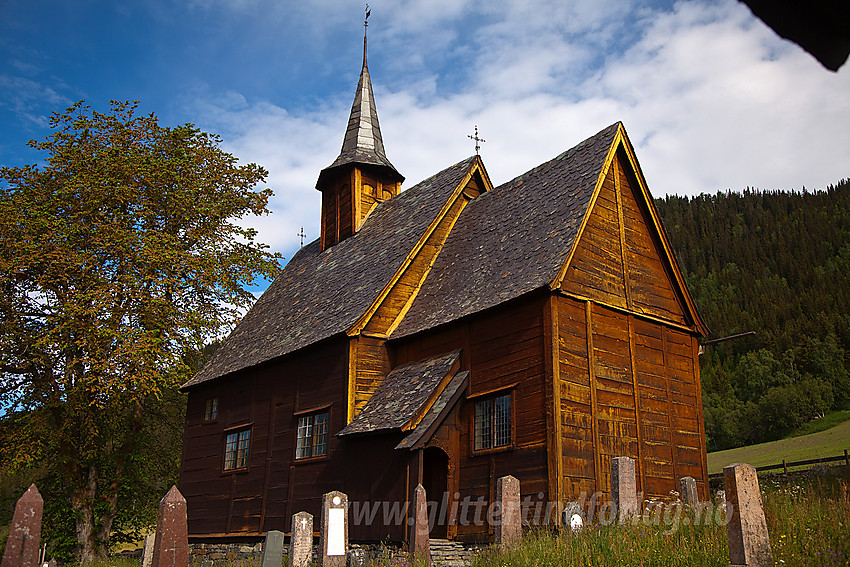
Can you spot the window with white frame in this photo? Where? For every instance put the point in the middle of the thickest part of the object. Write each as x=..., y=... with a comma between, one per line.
x=236, y=448
x=493, y=422
x=312, y=435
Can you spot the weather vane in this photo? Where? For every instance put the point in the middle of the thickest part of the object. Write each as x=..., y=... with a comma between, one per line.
x=302, y=235
x=366, y=21
x=477, y=139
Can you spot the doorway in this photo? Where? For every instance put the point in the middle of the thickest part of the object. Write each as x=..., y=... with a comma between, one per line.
x=435, y=467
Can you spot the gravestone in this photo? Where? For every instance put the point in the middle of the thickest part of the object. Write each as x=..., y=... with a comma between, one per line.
x=301, y=540
x=273, y=549
x=147, y=550
x=334, y=537
x=749, y=543
x=22, y=544
x=624, y=488
x=419, y=530
x=573, y=517
x=171, y=548
x=688, y=491
x=509, y=525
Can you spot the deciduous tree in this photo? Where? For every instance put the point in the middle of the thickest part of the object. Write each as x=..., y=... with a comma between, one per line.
x=121, y=255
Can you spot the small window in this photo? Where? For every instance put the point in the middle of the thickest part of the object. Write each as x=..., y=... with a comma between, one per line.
x=493, y=422
x=236, y=450
x=211, y=412
x=312, y=436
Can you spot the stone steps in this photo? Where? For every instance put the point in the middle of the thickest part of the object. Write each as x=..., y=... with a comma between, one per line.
x=447, y=553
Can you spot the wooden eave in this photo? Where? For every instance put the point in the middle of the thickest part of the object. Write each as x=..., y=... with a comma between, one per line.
x=458, y=193
x=621, y=140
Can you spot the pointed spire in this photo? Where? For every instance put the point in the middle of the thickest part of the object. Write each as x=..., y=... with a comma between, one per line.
x=363, y=143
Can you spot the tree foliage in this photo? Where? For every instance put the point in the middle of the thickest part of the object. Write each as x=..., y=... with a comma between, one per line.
x=121, y=258
x=777, y=263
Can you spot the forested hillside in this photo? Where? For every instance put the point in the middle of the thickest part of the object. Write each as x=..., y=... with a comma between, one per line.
x=777, y=263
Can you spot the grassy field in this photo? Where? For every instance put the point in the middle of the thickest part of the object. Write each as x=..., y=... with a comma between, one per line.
x=807, y=521
x=829, y=443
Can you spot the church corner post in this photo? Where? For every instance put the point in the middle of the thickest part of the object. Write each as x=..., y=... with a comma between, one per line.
x=334, y=536
x=171, y=547
x=22, y=545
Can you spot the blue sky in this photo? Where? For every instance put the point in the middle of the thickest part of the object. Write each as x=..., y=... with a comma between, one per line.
x=711, y=98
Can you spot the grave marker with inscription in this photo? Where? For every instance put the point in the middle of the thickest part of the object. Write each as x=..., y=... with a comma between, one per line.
x=171, y=547
x=334, y=537
x=301, y=540
x=22, y=544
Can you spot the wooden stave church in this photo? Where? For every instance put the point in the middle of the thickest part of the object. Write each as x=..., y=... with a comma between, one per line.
x=413, y=309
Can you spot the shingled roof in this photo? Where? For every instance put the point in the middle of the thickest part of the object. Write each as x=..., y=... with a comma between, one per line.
x=511, y=240
x=321, y=293
x=402, y=394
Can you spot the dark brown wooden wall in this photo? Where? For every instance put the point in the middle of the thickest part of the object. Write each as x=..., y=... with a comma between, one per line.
x=500, y=348
x=266, y=495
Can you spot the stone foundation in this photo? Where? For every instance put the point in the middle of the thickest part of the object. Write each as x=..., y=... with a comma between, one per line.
x=247, y=554
x=221, y=554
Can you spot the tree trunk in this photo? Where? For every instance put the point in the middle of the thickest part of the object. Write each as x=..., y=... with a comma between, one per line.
x=83, y=504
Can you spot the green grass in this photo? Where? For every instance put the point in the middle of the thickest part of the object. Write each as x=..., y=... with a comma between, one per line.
x=808, y=523
x=829, y=443
x=828, y=421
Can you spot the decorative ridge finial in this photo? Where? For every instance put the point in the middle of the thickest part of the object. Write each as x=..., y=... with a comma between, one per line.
x=477, y=139
x=365, y=27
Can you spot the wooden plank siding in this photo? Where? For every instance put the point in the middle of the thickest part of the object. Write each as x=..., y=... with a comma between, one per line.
x=628, y=369
x=274, y=486
x=372, y=361
x=502, y=348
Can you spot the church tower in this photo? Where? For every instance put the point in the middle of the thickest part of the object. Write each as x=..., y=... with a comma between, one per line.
x=361, y=176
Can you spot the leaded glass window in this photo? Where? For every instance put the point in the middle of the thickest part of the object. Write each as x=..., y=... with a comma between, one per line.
x=493, y=422
x=236, y=450
x=312, y=436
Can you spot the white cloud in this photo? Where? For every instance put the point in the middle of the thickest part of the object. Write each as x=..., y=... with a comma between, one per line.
x=711, y=98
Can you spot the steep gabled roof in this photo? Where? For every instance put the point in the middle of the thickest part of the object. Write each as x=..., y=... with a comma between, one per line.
x=513, y=239
x=319, y=294
x=520, y=236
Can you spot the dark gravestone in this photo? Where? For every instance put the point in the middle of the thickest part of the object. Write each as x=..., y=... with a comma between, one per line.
x=273, y=549
x=688, y=491
x=624, y=488
x=22, y=545
x=171, y=547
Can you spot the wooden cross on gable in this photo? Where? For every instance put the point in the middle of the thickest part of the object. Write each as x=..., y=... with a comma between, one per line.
x=477, y=139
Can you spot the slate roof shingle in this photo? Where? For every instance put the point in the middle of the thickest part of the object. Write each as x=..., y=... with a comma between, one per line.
x=319, y=294
x=436, y=413
x=401, y=394
x=511, y=240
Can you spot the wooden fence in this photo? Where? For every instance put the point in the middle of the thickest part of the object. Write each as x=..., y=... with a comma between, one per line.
x=784, y=465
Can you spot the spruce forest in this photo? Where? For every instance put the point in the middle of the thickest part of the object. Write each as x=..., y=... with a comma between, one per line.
x=777, y=263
